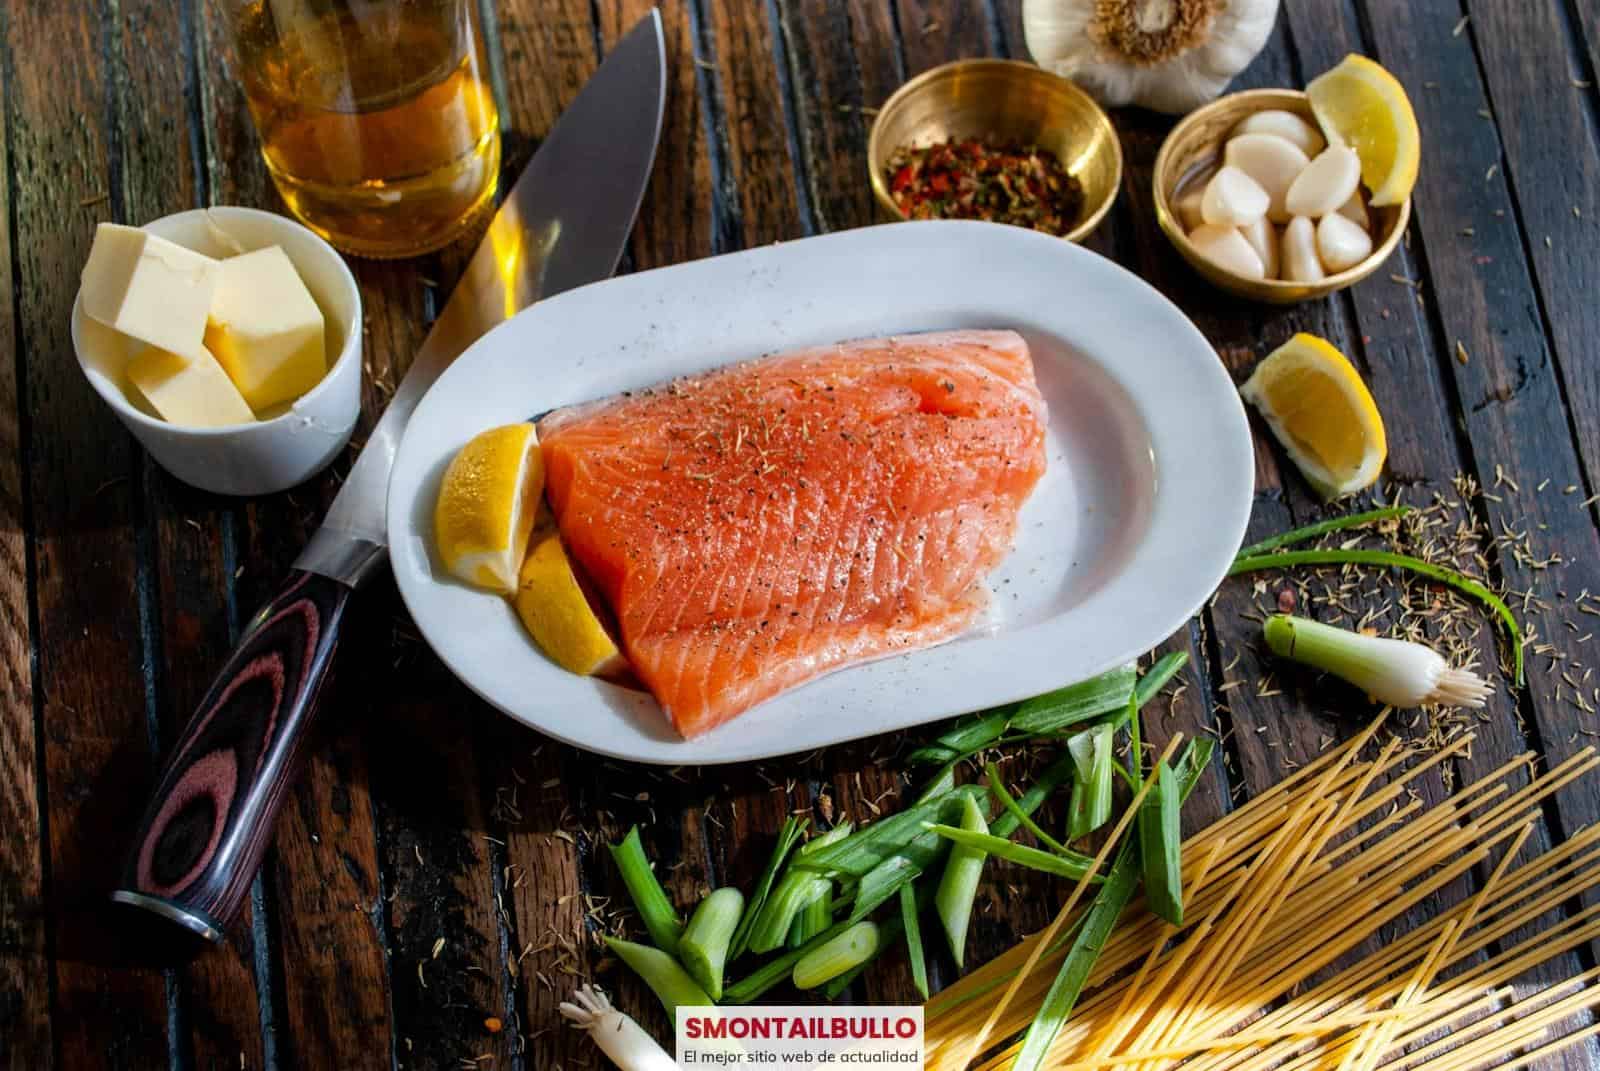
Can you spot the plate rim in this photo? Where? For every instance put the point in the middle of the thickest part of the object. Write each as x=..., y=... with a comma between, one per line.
x=1233, y=517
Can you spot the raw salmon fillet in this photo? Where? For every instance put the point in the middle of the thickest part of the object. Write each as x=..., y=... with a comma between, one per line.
x=762, y=524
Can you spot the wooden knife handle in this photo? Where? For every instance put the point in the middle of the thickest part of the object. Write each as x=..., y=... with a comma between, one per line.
x=200, y=841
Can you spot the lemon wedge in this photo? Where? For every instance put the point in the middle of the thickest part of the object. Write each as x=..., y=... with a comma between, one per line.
x=487, y=504
x=1361, y=105
x=557, y=612
x=1316, y=404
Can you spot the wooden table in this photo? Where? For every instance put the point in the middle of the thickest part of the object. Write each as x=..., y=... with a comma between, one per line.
x=436, y=880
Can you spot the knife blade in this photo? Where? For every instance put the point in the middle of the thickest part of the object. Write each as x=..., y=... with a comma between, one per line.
x=563, y=224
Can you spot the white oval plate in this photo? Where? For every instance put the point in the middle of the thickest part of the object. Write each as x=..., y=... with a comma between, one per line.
x=1140, y=511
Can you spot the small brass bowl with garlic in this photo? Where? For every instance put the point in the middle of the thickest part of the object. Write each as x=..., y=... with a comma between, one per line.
x=1001, y=103
x=1300, y=248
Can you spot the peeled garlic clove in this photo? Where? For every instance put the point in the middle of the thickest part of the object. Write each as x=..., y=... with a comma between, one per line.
x=1263, y=238
x=1342, y=243
x=1326, y=183
x=1299, y=258
x=1228, y=249
x=1233, y=198
x=1355, y=210
x=1273, y=162
x=1286, y=125
x=1188, y=207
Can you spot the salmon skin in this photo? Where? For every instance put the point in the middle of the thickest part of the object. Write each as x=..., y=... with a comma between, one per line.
x=757, y=526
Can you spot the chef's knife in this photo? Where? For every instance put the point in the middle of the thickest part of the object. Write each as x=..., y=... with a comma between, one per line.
x=563, y=224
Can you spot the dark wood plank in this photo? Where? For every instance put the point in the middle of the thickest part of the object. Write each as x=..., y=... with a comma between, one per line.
x=937, y=31
x=25, y=1028
x=185, y=529
x=750, y=105
x=96, y=747
x=1525, y=55
x=837, y=64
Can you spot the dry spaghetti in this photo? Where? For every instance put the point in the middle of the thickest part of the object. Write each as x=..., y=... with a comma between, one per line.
x=1293, y=885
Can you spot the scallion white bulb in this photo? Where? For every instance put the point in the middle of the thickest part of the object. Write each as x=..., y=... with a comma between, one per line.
x=1398, y=673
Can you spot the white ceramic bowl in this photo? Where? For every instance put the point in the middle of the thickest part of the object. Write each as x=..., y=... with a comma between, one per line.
x=270, y=455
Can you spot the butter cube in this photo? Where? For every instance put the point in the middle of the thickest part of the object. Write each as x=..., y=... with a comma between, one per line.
x=265, y=328
x=148, y=288
x=188, y=389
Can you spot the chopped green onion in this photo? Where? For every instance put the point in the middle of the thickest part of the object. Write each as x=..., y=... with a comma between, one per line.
x=889, y=931
x=703, y=948
x=1396, y=672
x=1161, y=847
x=913, y=928
x=1010, y=804
x=660, y=918
x=822, y=840
x=1045, y=713
x=1450, y=577
x=1322, y=528
x=958, y=885
x=835, y=956
x=1071, y=865
x=978, y=731
x=1080, y=702
x=775, y=970
x=1054, y=776
x=871, y=845
x=1091, y=792
x=794, y=891
x=815, y=917
x=1156, y=677
x=1098, y=922
x=898, y=871
x=942, y=782
x=668, y=981
x=788, y=835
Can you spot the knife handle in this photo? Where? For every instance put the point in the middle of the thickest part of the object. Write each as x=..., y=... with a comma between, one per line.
x=204, y=830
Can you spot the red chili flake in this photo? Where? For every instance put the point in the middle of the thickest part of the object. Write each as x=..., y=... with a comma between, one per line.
x=969, y=179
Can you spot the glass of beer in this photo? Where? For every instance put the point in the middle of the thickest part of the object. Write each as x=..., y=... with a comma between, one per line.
x=376, y=117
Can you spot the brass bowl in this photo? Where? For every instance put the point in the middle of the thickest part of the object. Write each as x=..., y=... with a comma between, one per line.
x=1195, y=146
x=1004, y=102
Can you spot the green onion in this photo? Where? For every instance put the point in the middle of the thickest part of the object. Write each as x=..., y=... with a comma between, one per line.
x=958, y=885
x=1096, y=926
x=814, y=917
x=1156, y=677
x=1450, y=577
x=1054, y=776
x=788, y=835
x=1396, y=672
x=668, y=981
x=1322, y=528
x=794, y=891
x=884, y=880
x=1098, y=922
x=1071, y=865
x=703, y=948
x=1161, y=847
x=1056, y=710
x=1091, y=792
x=836, y=955
x=1041, y=714
x=942, y=782
x=822, y=840
x=889, y=931
x=913, y=928
x=660, y=918
x=999, y=789
x=775, y=970
x=870, y=846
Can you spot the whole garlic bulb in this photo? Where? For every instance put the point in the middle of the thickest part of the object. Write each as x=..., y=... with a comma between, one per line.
x=1170, y=55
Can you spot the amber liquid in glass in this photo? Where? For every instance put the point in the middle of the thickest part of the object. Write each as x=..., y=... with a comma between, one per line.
x=376, y=119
